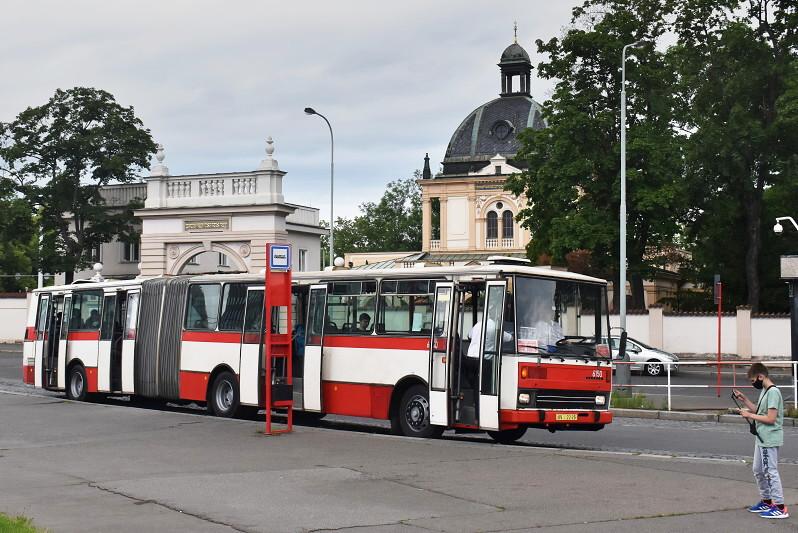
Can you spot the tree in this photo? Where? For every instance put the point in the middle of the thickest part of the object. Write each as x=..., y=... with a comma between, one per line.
x=18, y=241
x=60, y=154
x=392, y=224
x=572, y=179
x=738, y=85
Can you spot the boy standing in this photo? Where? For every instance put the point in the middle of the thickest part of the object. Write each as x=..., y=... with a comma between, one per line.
x=768, y=415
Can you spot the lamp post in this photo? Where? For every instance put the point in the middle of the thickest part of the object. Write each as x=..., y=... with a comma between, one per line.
x=789, y=273
x=311, y=111
x=623, y=372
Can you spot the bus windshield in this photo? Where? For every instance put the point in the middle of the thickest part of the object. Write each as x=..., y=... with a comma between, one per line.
x=559, y=317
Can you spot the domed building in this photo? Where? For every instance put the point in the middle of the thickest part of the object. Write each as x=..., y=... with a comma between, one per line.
x=467, y=214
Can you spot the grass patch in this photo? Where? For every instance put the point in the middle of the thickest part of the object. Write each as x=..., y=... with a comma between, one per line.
x=17, y=524
x=791, y=412
x=631, y=401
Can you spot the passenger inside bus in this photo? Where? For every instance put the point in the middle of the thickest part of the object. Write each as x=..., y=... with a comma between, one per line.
x=93, y=322
x=364, y=323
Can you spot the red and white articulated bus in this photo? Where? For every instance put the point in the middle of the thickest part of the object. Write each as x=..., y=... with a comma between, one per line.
x=497, y=348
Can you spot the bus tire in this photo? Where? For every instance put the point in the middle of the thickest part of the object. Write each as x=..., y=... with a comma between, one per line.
x=77, y=385
x=507, y=436
x=413, y=414
x=223, y=398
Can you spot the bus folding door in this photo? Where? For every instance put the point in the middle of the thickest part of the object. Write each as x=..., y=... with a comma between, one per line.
x=251, y=347
x=63, y=343
x=439, y=354
x=41, y=344
x=311, y=375
x=129, y=342
x=493, y=334
x=105, y=346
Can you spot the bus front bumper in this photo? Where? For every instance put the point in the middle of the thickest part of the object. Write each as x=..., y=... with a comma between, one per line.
x=554, y=419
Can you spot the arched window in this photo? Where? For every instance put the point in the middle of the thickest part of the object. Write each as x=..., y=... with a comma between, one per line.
x=507, y=225
x=493, y=225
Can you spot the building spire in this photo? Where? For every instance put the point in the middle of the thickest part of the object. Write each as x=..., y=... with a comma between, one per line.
x=427, y=173
x=515, y=31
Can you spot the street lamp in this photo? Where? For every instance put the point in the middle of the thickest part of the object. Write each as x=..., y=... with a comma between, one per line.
x=623, y=371
x=311, y=111
x=778, y=228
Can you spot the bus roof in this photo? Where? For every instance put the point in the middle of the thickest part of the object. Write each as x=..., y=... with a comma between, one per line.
x=468, y=272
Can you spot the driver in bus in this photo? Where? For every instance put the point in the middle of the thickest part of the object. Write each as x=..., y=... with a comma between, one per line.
x=93, y=322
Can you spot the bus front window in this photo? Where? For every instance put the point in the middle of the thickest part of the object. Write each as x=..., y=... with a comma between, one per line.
x=559, y=317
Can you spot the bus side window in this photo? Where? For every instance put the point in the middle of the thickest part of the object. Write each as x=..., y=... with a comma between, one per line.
x=86, y=306
x=254, y=319
x=232, y=317
x=203, y=307
x=406, y=307
x=351, y=308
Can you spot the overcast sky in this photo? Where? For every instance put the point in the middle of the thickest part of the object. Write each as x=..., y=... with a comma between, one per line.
x=212, y=80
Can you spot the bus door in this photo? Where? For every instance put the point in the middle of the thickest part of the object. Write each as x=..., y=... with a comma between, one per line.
x=314, y=340
x=440, y=354
x=109, y=356
x=42, y=342
x=63, y=309
x=252, y=354
x=493, y=334
x=130, y=325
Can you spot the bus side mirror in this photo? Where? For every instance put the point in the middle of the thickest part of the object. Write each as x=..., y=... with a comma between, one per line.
x=622, y=347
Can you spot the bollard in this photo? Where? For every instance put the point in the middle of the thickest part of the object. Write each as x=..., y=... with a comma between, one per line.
x=668, y=367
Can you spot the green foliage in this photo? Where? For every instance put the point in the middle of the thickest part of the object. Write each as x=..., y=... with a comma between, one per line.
x=17, y=240
x=738, y=88
x=392, y=224
x=631, y=401
x=60, y=154
x=17, y=524
x=572, y=179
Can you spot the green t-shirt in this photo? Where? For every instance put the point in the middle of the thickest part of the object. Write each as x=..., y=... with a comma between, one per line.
x=772, y=434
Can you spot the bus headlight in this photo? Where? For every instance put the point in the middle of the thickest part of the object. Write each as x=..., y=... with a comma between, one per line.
x=601, y=400
x=523, y=398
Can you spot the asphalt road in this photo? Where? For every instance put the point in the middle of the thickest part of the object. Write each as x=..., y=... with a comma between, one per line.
x=673, y=438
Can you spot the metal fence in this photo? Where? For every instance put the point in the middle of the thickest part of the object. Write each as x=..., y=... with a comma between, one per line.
x=718, y=366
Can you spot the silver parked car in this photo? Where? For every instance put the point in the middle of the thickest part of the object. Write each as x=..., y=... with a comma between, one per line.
x=644, y=358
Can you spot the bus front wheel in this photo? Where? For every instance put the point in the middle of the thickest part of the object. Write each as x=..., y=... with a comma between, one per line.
x=223, y=397
x=507, y=436
x=413, y=414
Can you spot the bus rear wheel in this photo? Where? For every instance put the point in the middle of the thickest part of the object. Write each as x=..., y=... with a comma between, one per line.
x=223, y=399
x=76, y=384
x=413, y=414
x=507, y=436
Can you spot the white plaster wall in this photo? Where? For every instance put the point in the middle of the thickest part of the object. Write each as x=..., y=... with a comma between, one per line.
x=306, y=241
x=161, y=225
x=457, y=222
x=13, y=312
x=636, y=326
x=770, y=337
x=699, y=334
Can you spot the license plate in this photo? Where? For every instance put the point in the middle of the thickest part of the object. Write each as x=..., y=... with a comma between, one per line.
x=565, y=417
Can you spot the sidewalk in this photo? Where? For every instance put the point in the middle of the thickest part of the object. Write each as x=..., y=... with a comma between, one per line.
x=721, y=417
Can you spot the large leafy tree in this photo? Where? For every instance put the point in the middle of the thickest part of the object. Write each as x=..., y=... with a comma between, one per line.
x=393, y=223
x=738, y=86
x=60, y=154
x=572, y=181
x=17, y=241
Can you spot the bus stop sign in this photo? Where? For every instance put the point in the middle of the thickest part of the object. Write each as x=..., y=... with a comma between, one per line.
x=279, y=257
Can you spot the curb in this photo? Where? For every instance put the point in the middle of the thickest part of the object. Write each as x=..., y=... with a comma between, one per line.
x=686, y=416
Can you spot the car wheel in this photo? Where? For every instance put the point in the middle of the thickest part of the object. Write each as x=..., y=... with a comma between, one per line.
x=223, y=396
x=508, y=436
x=77, y=384
x=654, y=368
x=413, y=414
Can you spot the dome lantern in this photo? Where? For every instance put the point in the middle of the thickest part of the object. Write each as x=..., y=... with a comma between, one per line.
x=515, y=62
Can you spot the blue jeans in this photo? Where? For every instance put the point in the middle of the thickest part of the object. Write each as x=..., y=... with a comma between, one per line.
x=766, y=472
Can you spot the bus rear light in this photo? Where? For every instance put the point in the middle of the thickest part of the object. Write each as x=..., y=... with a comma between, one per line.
x=523, y=398
x=30, y=334
x=603, y=350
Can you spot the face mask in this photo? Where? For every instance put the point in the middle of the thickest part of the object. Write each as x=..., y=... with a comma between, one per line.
x=757, y=384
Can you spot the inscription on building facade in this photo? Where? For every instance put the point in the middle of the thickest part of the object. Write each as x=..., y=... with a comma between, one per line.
x=206, y=225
